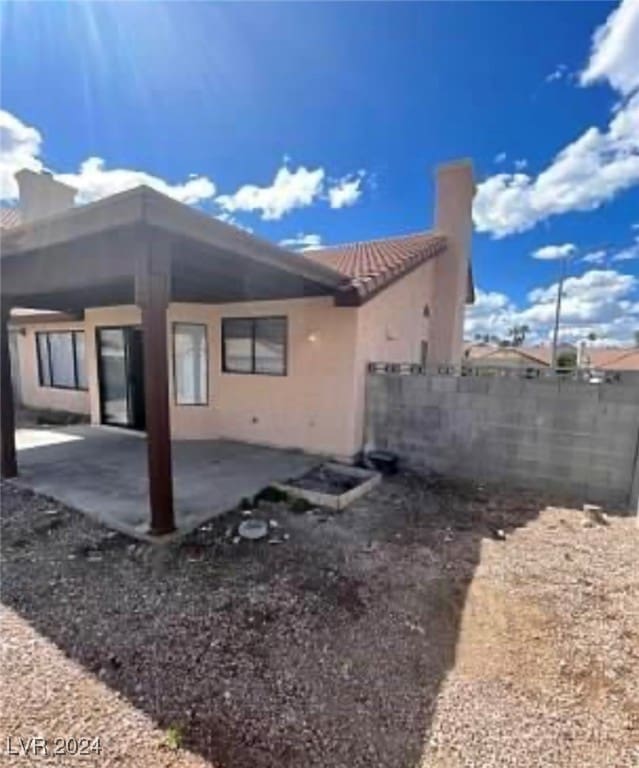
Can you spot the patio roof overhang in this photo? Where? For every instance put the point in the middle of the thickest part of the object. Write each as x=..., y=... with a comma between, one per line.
x=86, y=257
x=144, y=248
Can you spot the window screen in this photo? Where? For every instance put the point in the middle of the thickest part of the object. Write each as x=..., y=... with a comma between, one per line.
x=190, y=361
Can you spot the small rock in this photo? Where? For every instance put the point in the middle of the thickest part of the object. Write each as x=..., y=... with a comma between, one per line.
x=594, y=515
x=236, y=540
x=273, y=524
x=253, y=529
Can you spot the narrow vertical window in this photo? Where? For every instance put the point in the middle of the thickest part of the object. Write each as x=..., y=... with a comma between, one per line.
x=80, y=360
x=190, y=364
x=44, y=369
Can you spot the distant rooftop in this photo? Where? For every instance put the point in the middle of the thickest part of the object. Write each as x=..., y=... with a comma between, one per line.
x=9, y=218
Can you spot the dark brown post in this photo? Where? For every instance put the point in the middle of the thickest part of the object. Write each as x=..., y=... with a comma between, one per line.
x=152, y=291
x=7, y=420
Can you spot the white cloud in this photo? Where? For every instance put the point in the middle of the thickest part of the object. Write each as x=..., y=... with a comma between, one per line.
x=614, y=55
x=492, y=313
x=293, y=189
x=289, y=190
x=597, y=165
x=550, y=252
x=346, y=191
x=595, y=257
x=560, y=71
x=228, y=219
x=628, y=254
x=20, y=147
x=302, y=242
x=94, y=181
x=500, y=157
x=521, y=164
x=596, y=284
x=599, y=301
x=583, y=176
x=635, y=226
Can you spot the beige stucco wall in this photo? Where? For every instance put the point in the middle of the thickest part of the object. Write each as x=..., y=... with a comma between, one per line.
x=311, y=408
x=32, y=394
x=318, y=406
x=391, y=328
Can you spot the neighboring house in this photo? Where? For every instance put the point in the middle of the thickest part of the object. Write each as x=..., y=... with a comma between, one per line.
x=262, y=344
x=485, y=355
x=611, y=358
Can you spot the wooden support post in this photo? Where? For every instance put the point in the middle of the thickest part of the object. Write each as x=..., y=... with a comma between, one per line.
x=152, y=292
x=7, y=417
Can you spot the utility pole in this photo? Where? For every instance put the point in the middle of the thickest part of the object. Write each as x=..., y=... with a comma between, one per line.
x=560, y=288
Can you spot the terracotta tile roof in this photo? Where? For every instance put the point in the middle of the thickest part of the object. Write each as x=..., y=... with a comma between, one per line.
x=372, y=265
x=482, y=351
x=9, y=218
x=620, y=359
x=600, y=358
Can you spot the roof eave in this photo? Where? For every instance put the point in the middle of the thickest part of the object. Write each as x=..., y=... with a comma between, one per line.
x=354, y=295
x=147, y=207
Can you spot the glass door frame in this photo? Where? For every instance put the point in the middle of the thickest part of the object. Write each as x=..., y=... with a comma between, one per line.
x=126, y=331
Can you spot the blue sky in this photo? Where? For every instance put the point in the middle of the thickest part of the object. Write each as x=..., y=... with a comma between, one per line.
x=326, y=121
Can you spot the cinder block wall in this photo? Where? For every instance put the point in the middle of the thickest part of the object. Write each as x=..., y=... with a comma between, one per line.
x=558, y=435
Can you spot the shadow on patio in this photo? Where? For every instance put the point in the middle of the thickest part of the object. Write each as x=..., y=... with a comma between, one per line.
x=329, y=649
x=104, y=473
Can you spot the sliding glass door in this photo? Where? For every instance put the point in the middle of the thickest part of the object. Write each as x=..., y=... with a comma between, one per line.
x=121, y=370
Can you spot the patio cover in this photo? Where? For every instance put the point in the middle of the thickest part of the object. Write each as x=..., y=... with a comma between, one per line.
x=141, y=247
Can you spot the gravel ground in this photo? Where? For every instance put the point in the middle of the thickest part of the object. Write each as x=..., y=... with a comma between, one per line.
x=403, y=632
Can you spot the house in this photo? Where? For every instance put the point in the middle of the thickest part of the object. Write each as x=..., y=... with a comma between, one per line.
x=539, y=358
x=486, y=355
x=154, y=316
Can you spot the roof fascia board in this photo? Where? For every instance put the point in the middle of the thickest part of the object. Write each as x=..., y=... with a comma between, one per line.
x=179, y=220
x=117, y=211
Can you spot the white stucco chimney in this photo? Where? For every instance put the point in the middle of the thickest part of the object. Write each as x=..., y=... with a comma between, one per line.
x=41, y=195
x=455, y=189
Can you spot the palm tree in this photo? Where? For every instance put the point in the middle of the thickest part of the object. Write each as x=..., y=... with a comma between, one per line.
x=518, y=334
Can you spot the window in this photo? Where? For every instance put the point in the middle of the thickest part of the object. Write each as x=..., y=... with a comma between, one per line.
x=190, y=364
x=254, y=345
x=61, y=359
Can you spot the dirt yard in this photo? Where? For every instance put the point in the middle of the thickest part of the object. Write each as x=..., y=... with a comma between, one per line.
x=403, y=632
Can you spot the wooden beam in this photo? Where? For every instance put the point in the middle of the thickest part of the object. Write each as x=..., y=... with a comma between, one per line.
x=152, y=289
x=8, y=462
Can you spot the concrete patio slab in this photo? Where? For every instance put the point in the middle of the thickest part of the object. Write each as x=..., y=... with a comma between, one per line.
x=103, y=473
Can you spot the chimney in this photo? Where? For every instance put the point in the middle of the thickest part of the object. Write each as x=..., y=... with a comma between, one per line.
x=41, y=195
x=455, y=189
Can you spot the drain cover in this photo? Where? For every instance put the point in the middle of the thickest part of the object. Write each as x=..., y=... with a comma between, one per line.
x=253, y=529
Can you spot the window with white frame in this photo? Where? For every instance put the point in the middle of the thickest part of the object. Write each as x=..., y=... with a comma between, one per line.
x=61, y=359
x=190, y=364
